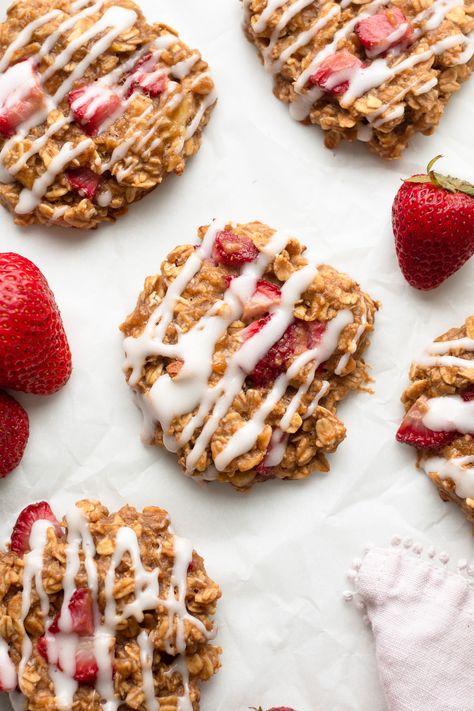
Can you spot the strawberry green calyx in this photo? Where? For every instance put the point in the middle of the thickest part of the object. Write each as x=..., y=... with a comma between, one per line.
x=446, y=182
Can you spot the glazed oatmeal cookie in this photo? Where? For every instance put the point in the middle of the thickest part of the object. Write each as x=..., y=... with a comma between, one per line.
x=440, y=415
x=104, y=610
x=374, y=70
x=239, y=351
x=97, y=107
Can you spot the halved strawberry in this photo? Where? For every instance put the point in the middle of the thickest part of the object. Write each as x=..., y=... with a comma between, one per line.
x=82, y=614
x=468, y=394
x=84, y=181
x=382, y=31
x=412, y=430
x=333, y=75
x=264, y=297
x=86, y=664
x=20, y=540
x=92, y=105
x=233, y=250
x=21, y=95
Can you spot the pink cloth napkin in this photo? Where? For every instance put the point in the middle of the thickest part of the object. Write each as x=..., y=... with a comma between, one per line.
x=422, y=617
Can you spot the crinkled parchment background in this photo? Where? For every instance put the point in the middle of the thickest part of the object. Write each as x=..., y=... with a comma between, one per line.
x=281, y=552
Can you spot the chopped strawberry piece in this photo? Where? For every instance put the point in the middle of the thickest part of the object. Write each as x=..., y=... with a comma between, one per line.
x=82, y=613
x=229, y=279
x=334, y=74
x=468, y=394
x=20, y=540
x=265, y=296
x=255, y=327
x=92, y=105
x=21, y=95
x=84, y=181
x=152, y=83
x=412, y=431
x=86, y=664
x=43, y=648
x=299, y=337
x=382, y=31
x=233, y=250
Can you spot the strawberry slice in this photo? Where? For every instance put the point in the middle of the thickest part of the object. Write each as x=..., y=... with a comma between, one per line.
x=20, y=540
x=233, y=250
x=84, y=181
x=382, y=31
x=334, y=74
x=82, y=614
x=264, y=297
x=468, y=394
x=255, y=327
x=21, y=95
x=86, y=664
x=92, y=105
x=412, y=431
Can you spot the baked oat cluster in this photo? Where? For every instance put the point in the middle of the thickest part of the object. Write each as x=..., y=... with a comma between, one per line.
x=96, y=108
x=239, y=351
x=104, y=611
x=378, y=71
x=440, y=414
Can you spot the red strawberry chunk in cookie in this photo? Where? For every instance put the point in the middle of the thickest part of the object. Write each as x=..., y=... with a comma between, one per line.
x=468, y=394
x=86, y=664
x=299, y=337
x=84, y=181
x=86, y=667
x=265, y=296
x=93, y=105
x=334, y=74
x=382, y=31
x=412, y=430
x=20, y=540
x=21, y=95
x=81, y=613
x=152, y=83
x=233, y=250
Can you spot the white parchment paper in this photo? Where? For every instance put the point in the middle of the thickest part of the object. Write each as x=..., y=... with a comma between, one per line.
x=280, y=553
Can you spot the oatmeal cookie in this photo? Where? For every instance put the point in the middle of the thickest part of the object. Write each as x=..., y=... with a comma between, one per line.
x=96, y=108
x=104, y=611
x=378, y=71
x=239, y=352
x=440, y=415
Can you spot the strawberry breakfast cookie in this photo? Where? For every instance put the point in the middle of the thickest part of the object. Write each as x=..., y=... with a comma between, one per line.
x=104, y=611
x=440, y=414
x=96, y=108
x=375, y=71
x=239, y=352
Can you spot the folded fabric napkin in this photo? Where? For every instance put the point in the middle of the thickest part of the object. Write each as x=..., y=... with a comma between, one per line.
x=422, y=617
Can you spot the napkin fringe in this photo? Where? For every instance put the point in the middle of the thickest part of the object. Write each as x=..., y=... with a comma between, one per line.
x=415, y=549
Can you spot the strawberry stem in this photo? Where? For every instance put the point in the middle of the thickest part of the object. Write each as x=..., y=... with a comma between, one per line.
x=445, y=182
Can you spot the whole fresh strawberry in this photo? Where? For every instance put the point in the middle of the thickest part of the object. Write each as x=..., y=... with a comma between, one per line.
x=14, y=431
x=34, y=352
x=433, y=224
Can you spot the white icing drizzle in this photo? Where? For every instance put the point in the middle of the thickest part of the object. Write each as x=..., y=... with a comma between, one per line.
x=449, y=413
x=355, y=343
x=245, y=438
x=8, y=678
x=208, y=101
x=426, y=87
x=438, y=354
x=189, y=389
x=62, y=647
x=29, y=199
x=457, y=469
x=113, y=22
x=362, y=79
